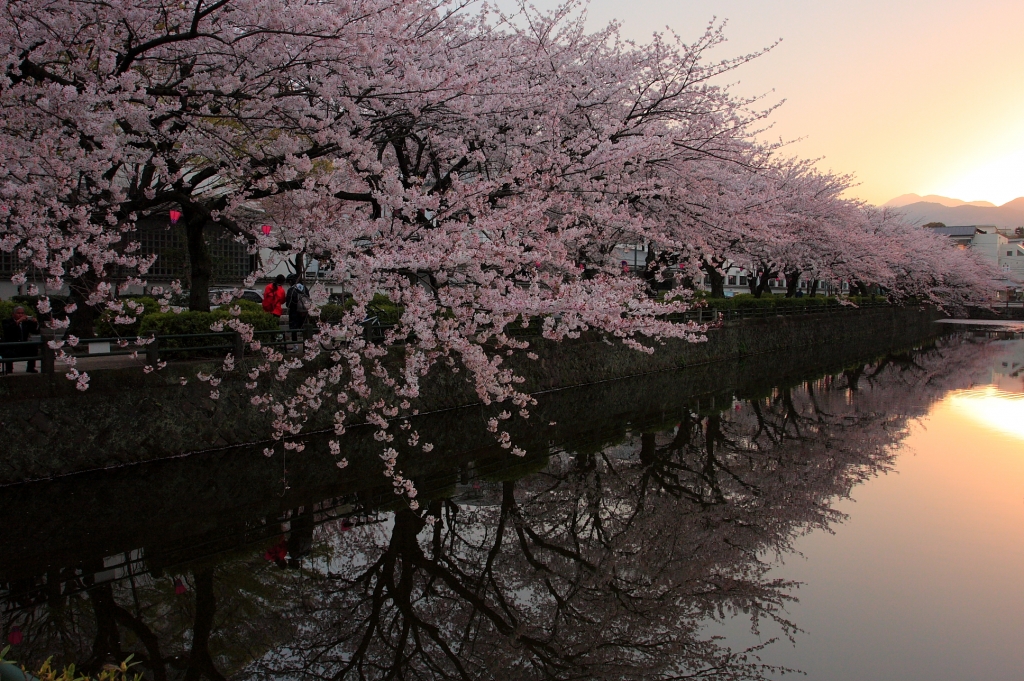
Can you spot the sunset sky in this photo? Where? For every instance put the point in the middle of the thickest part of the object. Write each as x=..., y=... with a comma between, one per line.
x=922, y=96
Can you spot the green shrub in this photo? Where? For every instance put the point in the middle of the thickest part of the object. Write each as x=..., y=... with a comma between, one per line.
x=189, y=322
x=106, y=328
x=47, y=673
x=746, y=301
x=820, y=300
x=28, y=301
x=803, y=302
x=743, y=301
x=245, y=305
x=333, y=312
x=386, y=311
x=7, y=308
x=381, y=306
x=866, y=300
x=695, y=296
x=57, y=303
x=171, y=323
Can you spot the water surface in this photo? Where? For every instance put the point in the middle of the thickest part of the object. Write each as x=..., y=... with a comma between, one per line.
x=851, y=517
x=924, y=579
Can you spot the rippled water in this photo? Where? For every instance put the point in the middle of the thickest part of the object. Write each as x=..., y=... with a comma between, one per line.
x=851, y=518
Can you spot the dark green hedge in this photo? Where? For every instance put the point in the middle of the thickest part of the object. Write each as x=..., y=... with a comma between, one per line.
x=245, y=305
x=387, y=311
x=31, y=301
x=106, y=328
x=745, y=301
x=7, y=308
x=867, y=300
x=171, y=323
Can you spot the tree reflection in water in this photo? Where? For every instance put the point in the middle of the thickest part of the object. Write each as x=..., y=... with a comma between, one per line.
x=606, y=564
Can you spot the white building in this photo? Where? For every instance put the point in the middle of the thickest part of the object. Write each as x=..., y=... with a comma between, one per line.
x=1004, y=247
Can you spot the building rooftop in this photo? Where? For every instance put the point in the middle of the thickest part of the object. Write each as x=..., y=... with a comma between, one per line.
x=956, y=230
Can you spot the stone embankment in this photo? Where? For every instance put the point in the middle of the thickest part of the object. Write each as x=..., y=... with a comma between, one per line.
x=997, y=312
x=128, y=416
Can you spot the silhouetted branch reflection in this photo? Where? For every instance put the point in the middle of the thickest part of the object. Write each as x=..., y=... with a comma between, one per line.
x=608, y=563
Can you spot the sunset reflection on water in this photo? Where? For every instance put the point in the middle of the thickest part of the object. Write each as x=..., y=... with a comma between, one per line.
x=922, y=580
x=994, y=408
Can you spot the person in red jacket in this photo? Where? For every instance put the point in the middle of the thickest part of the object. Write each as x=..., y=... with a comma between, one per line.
x=273, y=296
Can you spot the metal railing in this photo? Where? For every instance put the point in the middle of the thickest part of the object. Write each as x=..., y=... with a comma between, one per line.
x=158, y=348
x=154, y=349
x=710, y=315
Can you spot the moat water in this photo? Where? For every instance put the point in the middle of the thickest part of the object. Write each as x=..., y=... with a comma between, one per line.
x=850, y=518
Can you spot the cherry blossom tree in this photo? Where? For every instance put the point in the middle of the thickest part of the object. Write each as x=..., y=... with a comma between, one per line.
x=500, y=204
x=778, y=218
x=477, y=169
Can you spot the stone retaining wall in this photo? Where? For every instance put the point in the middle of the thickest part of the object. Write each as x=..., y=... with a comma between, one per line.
x=127, y=416
x=996, y=312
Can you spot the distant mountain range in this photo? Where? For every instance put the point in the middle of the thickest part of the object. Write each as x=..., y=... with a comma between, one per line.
x=908, y=199
x=933, y=208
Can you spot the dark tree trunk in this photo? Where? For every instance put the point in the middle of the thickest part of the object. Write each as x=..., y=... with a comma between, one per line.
x=853, y=377
x=792, y=283
x=153, y=658
x=106, y=646
x=861, y=288
x=752, y=285
x=83, y=319
x=648, y=449
x=764, y=277
x=200, y=264
x=715, y=278
x=713, y=433
x=650, y=271
x=403, y=537
x=300, y=539
x=199, y=661
x=814, y=288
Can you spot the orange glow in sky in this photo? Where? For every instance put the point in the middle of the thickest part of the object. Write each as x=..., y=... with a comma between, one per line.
x=922, y=96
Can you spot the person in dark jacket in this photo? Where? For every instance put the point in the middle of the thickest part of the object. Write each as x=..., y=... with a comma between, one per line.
x=298, y=302
x=17, y=329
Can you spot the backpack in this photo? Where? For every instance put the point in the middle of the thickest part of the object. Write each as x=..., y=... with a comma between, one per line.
x=301, y=301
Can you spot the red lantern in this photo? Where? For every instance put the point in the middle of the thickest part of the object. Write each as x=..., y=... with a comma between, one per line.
x=15, y=637
x=265, y=229
x=175, y=216
x=179, y=587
